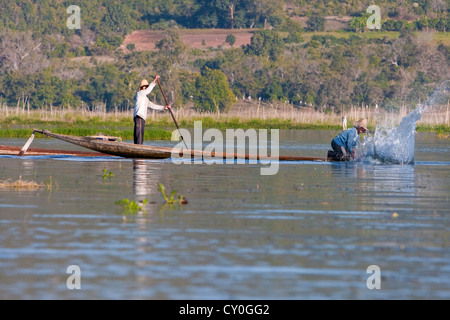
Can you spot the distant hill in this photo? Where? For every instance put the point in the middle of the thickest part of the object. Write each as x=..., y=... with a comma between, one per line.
x=272, y=57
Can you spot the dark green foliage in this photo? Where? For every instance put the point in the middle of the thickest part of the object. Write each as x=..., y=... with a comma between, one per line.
x=118, y=17
x=266, y=43
x=212, y=92
x=327, y=71
x=231, y=39
x=316, y=23
x=273, y=91
x=114, y=16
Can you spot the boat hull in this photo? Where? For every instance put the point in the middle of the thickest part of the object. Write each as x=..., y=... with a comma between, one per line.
x=128, y=150
x=120, y=149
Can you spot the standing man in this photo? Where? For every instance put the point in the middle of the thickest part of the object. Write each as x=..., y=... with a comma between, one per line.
x=344, y=123
x=344, y=143
x=140, y=109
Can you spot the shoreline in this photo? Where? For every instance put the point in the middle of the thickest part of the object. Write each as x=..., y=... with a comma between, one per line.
x=162, y=129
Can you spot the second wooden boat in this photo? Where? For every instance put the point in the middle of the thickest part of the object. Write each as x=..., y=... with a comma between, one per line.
x=128, y=150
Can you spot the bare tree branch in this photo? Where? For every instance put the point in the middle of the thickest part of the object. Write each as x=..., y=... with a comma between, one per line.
x=20, y=52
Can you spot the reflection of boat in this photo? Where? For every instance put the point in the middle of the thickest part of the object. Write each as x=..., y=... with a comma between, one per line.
x=141, y=178
x=128, y=150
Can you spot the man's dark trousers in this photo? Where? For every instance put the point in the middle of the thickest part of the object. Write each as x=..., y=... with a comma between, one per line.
x=139, y=127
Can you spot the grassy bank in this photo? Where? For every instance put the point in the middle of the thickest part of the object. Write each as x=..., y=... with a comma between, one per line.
x=125, y=134
x=441, y=131
x=157, y=130
x=162, y=130
x=20, y=123
x=436, y=37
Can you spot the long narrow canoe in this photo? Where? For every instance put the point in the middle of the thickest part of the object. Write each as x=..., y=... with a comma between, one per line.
x=128, y=150
x=114, y=148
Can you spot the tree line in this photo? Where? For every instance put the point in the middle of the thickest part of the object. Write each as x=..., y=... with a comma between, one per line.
x=325, y=72
x=407, y=10
x=45, y=64
x=106, y=17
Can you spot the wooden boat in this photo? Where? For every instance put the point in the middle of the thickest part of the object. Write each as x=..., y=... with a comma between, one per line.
x=114, y=148
x=128, y=150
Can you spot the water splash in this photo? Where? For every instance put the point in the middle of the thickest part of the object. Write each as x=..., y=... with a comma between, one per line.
x=396, y=144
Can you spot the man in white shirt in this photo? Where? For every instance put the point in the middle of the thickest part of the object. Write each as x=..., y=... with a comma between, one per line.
x=141, y=107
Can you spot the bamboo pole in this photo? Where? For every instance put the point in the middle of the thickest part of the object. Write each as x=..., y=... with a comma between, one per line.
x=447, y=118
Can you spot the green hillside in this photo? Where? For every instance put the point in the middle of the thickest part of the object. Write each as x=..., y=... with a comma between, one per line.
x=45, y=64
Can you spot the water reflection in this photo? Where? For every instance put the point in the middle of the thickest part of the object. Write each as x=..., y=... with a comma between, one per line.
x=376, y=187
x=380, y=176
x=28, y=167
x=142, y=182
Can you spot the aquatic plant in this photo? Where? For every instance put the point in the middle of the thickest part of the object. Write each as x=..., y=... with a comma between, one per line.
x=49, y=183
x=173, y=196
x=107, y=174
x=132, y=207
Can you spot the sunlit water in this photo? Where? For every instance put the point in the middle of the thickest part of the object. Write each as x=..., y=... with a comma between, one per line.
x=309, y=232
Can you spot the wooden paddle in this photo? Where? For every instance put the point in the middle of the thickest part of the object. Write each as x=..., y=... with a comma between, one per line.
x=171, y=113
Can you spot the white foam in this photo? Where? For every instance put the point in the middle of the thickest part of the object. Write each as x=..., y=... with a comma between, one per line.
x=396, y=144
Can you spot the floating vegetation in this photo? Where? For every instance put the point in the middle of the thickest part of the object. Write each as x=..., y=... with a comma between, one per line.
x=107, y=174
x=173, y=196
x=21, y=185
x=132, y=207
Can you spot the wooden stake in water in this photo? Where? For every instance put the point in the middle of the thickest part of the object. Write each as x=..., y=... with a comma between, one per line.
x=27, y=145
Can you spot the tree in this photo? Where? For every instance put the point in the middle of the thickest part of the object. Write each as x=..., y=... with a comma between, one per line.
x=273, y=91
x=118, y=17
x=294, y=32
x=438, y=6
x=358, y=24
x=171, y=51
x=231, y=39
x=213, y=13
x=213, y=92
x=20, y=52
x=266, y=43
x=260, y=10
x=316, y=23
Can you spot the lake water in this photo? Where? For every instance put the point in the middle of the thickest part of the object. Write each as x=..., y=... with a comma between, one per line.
x=309, y=232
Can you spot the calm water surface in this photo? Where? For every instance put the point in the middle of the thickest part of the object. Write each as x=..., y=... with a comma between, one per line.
x=309, y=232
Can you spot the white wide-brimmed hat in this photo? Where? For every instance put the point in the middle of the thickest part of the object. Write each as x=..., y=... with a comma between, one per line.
x=144, y=83
x=361, y=124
